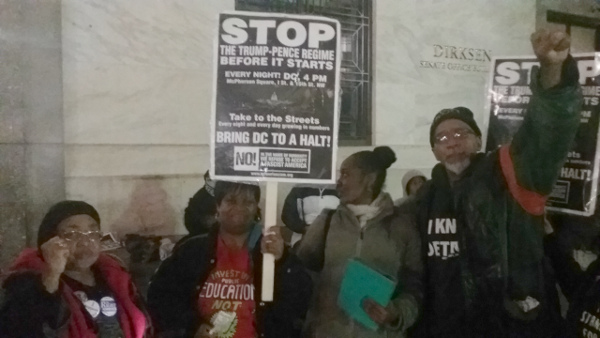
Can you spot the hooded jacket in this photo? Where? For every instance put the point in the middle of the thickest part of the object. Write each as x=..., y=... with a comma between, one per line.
x=499, y=203
x=405, y=179
x=30, y=311
x=303, y=204
x=200, y=208
x=388, y=242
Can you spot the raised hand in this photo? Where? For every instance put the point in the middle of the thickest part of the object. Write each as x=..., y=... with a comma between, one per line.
x=550, y=47
x=56, y=253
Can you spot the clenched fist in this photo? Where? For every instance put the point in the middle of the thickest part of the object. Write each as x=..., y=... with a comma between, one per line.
x=551, y=49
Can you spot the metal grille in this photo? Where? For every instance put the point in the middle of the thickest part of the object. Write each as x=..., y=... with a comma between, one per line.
x=355, y=18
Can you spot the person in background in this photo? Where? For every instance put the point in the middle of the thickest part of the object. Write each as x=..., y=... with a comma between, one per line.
x=302, y=206
x=216, y=276
x=573, y=251
x=412, y=181
x=199, y=215
x=481, y=215
x=67, y=287
x=365, y=226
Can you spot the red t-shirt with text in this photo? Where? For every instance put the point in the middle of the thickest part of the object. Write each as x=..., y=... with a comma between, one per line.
x=229, y=288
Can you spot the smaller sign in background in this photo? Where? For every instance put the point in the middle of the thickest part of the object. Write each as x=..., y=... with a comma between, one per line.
x=509, y=95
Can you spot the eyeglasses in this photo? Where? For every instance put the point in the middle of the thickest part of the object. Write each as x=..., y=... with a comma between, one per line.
x=459, y=134
x=75, y=235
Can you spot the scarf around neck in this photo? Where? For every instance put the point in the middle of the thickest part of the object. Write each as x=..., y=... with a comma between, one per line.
x=366, y=212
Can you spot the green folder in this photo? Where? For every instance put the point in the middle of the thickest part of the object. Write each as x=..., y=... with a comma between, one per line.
x=360, y=282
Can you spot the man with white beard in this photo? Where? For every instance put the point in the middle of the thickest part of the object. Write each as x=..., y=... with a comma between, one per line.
x=481, y=215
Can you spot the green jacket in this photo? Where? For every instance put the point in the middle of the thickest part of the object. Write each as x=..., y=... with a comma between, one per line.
x=499, y=205
x=389, y=243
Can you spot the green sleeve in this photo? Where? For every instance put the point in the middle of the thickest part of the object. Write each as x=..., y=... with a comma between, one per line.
x=540, y=147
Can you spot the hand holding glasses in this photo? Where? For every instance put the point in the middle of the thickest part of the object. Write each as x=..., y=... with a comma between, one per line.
x=75, y=235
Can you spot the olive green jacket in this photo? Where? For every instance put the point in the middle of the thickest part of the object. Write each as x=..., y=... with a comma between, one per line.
x=389, y=243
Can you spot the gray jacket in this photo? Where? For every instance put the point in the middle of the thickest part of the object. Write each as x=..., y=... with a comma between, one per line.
x=389, y=242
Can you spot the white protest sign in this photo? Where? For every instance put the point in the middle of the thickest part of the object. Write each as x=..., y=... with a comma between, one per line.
x=275, y=104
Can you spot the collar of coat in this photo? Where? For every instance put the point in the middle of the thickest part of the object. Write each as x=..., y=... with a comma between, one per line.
x=132, y=319
x=386, y=209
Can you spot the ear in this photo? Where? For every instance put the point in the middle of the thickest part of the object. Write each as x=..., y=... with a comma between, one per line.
x=370, y=180
x=478, y=144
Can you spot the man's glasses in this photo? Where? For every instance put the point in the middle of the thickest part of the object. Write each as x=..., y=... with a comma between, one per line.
x=75, y=235
x=460, y=134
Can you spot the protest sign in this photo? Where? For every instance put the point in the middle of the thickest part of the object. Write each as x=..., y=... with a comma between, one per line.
x=275, y=105
x=276, y=98
x=576, y=188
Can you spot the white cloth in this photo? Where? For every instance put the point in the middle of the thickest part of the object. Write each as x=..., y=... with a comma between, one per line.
x=312, y=206
x=366, y=212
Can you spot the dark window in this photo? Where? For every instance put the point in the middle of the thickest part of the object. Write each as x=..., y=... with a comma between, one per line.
x=355, y=18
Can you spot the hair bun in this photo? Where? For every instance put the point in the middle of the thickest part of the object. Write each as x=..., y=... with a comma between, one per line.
x=385, y=155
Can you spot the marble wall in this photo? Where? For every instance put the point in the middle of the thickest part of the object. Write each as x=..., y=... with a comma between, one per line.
x=411, y=39
x=137, y=95
x=583, y=39
x=137, y=81
x=108, y=100
x=31, y=134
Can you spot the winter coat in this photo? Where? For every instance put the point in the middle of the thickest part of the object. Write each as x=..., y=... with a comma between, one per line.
x=29, y=310
x=582, y=289
x=303, y=204
x=498, y=203
x=389, y=243
x=405, y=179
x=174, y=289
x=201, y=207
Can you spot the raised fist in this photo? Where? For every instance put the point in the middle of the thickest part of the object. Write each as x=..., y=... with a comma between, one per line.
x=550, y=47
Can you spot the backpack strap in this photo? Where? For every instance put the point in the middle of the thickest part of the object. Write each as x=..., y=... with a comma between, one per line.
x=321, y=261
x=327, y=224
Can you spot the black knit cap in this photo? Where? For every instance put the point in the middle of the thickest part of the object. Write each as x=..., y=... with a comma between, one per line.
x=458, y=113
x=59, y=212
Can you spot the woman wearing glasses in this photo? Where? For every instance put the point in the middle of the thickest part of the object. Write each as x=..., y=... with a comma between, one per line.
x=67, y=287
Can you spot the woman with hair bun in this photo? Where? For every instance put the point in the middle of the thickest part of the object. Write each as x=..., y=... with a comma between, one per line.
x=365, y=226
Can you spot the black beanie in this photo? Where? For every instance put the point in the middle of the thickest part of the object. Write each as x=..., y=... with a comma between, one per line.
x=59, y=212
x=458, y=113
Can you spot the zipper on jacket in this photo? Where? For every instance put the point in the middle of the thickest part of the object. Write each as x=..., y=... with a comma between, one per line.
x=359, y=243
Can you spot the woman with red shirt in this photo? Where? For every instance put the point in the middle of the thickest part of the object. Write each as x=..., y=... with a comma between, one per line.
x=210, y=286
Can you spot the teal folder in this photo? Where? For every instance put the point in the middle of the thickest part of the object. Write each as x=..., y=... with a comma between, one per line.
x=360, y=282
